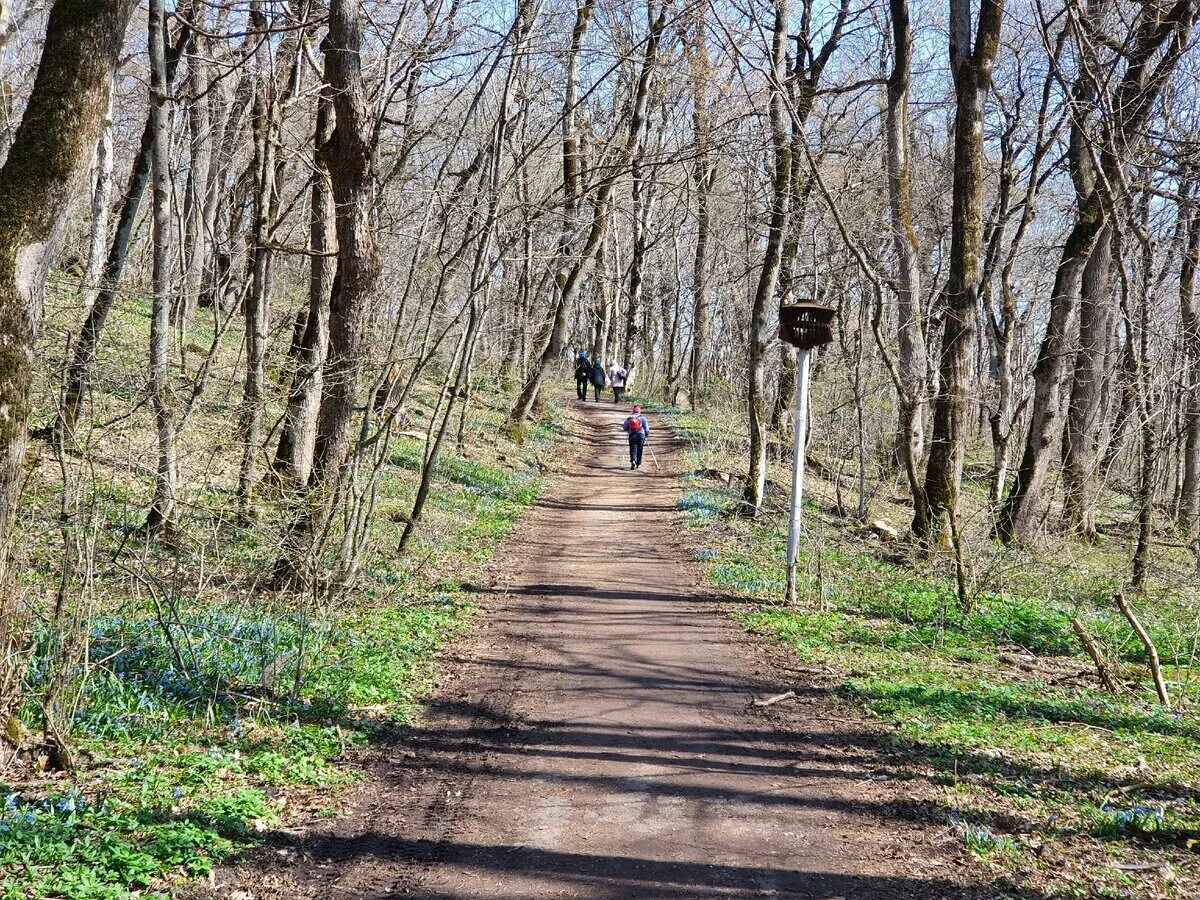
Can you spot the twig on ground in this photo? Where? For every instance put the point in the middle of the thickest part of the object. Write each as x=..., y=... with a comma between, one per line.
x=771, y=701
x=1093, y=650
x=1160, y=686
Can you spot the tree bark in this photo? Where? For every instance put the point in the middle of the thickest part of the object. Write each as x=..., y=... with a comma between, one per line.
x=971, y=66
x=196, y=234
x=703, y=175
x=83, y=353
x=1018, y=515
x=643, y=202
x=349, y=158
x=910, y=326
x=50, y=151
x=800, y=96
x=257, y=305
x=1083, y=436
x=101, y=200
x=162, y=507
x=293, y=456
x=768, y=275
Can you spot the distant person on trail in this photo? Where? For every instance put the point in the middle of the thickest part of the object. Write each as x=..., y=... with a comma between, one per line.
x=638, y=430
x=597, y=377
x=616, y=378
x=583, y=374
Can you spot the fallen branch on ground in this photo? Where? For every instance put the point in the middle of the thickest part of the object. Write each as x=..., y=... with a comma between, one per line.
x=771, y=701
x=1160, y=686
x=1093, y=650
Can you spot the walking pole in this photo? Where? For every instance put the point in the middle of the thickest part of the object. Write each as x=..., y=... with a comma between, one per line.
x=653, y=458
x=805, y=326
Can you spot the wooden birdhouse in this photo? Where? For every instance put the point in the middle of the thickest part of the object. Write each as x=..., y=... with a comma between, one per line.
x=806, y=325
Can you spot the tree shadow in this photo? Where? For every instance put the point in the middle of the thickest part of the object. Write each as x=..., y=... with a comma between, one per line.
x=602, y=876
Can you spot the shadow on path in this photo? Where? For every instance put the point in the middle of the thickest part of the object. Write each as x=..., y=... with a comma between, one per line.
x=609, y=876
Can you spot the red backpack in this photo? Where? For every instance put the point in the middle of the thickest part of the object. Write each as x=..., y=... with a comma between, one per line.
x=635, y=424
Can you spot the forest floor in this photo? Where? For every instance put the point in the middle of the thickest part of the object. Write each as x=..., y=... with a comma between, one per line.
x=596, y=736
x=1047, y=777
x=191, y=739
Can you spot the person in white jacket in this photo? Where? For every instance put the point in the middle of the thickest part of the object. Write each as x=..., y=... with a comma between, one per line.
x=617, y=377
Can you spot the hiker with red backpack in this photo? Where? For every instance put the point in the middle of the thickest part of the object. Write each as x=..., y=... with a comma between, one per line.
x=638, y=430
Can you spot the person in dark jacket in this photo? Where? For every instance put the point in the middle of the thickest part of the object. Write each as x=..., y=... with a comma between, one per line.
x=638, y=430
x=583, y=374
x=598, y=378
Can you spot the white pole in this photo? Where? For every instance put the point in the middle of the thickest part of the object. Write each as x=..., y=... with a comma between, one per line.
x=799, y=435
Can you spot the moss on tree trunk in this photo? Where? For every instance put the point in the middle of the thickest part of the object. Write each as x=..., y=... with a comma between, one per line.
x=53, y=143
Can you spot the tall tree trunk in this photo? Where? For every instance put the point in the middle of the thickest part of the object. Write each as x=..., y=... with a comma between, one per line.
x=971, y=65
x=257, y=305
x=50, y=151
x=83, y=353
x=789, y=260
x=1001, y=421
x=703, y=175
x=1189, y=308
x=1082, y=439
x=1018, y=515
x=641, y=201
x=1150, y=402
x=913, y=359
x=348, y=156
x=768, y=274
x=1136, y=93
x=162, y=507
x=293, y=456
x=196, y=234
x=1004, y=322
x=789, y=92
x=101, y=200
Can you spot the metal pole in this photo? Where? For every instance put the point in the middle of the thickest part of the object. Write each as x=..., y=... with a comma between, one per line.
x=799, y=435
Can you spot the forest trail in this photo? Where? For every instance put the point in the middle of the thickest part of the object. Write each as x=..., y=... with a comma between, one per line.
x=595, y=737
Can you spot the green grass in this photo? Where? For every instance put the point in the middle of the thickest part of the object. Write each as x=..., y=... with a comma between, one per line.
x=1039, y=770
x=189, y=736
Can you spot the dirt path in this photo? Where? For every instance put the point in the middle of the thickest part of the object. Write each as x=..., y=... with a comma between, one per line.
x=595, y=739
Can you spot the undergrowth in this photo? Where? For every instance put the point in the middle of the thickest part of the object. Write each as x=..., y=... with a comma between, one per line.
x=202, y=718
x=1038, y=771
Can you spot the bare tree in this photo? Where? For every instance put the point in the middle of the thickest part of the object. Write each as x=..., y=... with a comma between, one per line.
x=972, y=56
x=1189, y=308
x=294, y=454
x=1156, y=44
x=787, y=121
x=349, y=158
x=162, y=507
x=83, y=351
x=51, y=148
x=910, y=323
x=704, y=173
x=575, y=265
